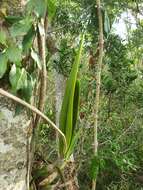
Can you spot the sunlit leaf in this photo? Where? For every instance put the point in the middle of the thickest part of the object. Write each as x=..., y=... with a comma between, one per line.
x=18, y=78
x=22, y=81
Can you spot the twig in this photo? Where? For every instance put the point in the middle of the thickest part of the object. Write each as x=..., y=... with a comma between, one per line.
x=35, y=110
x=41, y=37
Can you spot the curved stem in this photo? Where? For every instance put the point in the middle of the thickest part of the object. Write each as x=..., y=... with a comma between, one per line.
x=35, y=110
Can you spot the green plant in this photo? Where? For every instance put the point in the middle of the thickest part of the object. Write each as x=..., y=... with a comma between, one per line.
x=69, y=111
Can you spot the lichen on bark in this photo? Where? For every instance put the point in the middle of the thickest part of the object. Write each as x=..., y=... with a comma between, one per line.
x=13, y=147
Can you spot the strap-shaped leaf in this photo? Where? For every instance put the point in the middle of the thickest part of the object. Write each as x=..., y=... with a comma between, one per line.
x=66, y=115
x=74, y=140
x=74, y=136
x=106, y=23
x=76, y=104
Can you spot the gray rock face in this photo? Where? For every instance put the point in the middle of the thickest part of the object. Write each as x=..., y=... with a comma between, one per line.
x=13, y=147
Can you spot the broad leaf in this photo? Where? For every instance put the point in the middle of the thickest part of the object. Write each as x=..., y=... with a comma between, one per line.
x=21, y=28
x=28, y=39
x=39, y=7
x=14, y=54
x=27, y=91
x=13, y=19
x=18, y=78
x=3, y=64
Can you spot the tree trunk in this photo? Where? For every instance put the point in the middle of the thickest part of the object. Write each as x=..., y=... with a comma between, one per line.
x=15, y=154
x=14, y=145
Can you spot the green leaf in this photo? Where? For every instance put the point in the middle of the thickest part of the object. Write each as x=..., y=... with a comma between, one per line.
x=94, y=167
x=76, y=104
x=18, y=78
x=21, y=28
x=39, y=7
x=106, y=23
x=74, y=140
x=71, y=91
x=27, y=91
x=28, y=39
x=36, y=58
x=22, y=81
x=2, y=37
x=13, y=19
x=14, y=75
x=3, y=64
x=14, y=54
x=51, y=8
x=66, y=115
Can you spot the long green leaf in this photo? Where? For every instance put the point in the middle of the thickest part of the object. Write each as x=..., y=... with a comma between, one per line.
x=106, y=23
x=76, y=104
x=66, y=115
x=72, y=144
